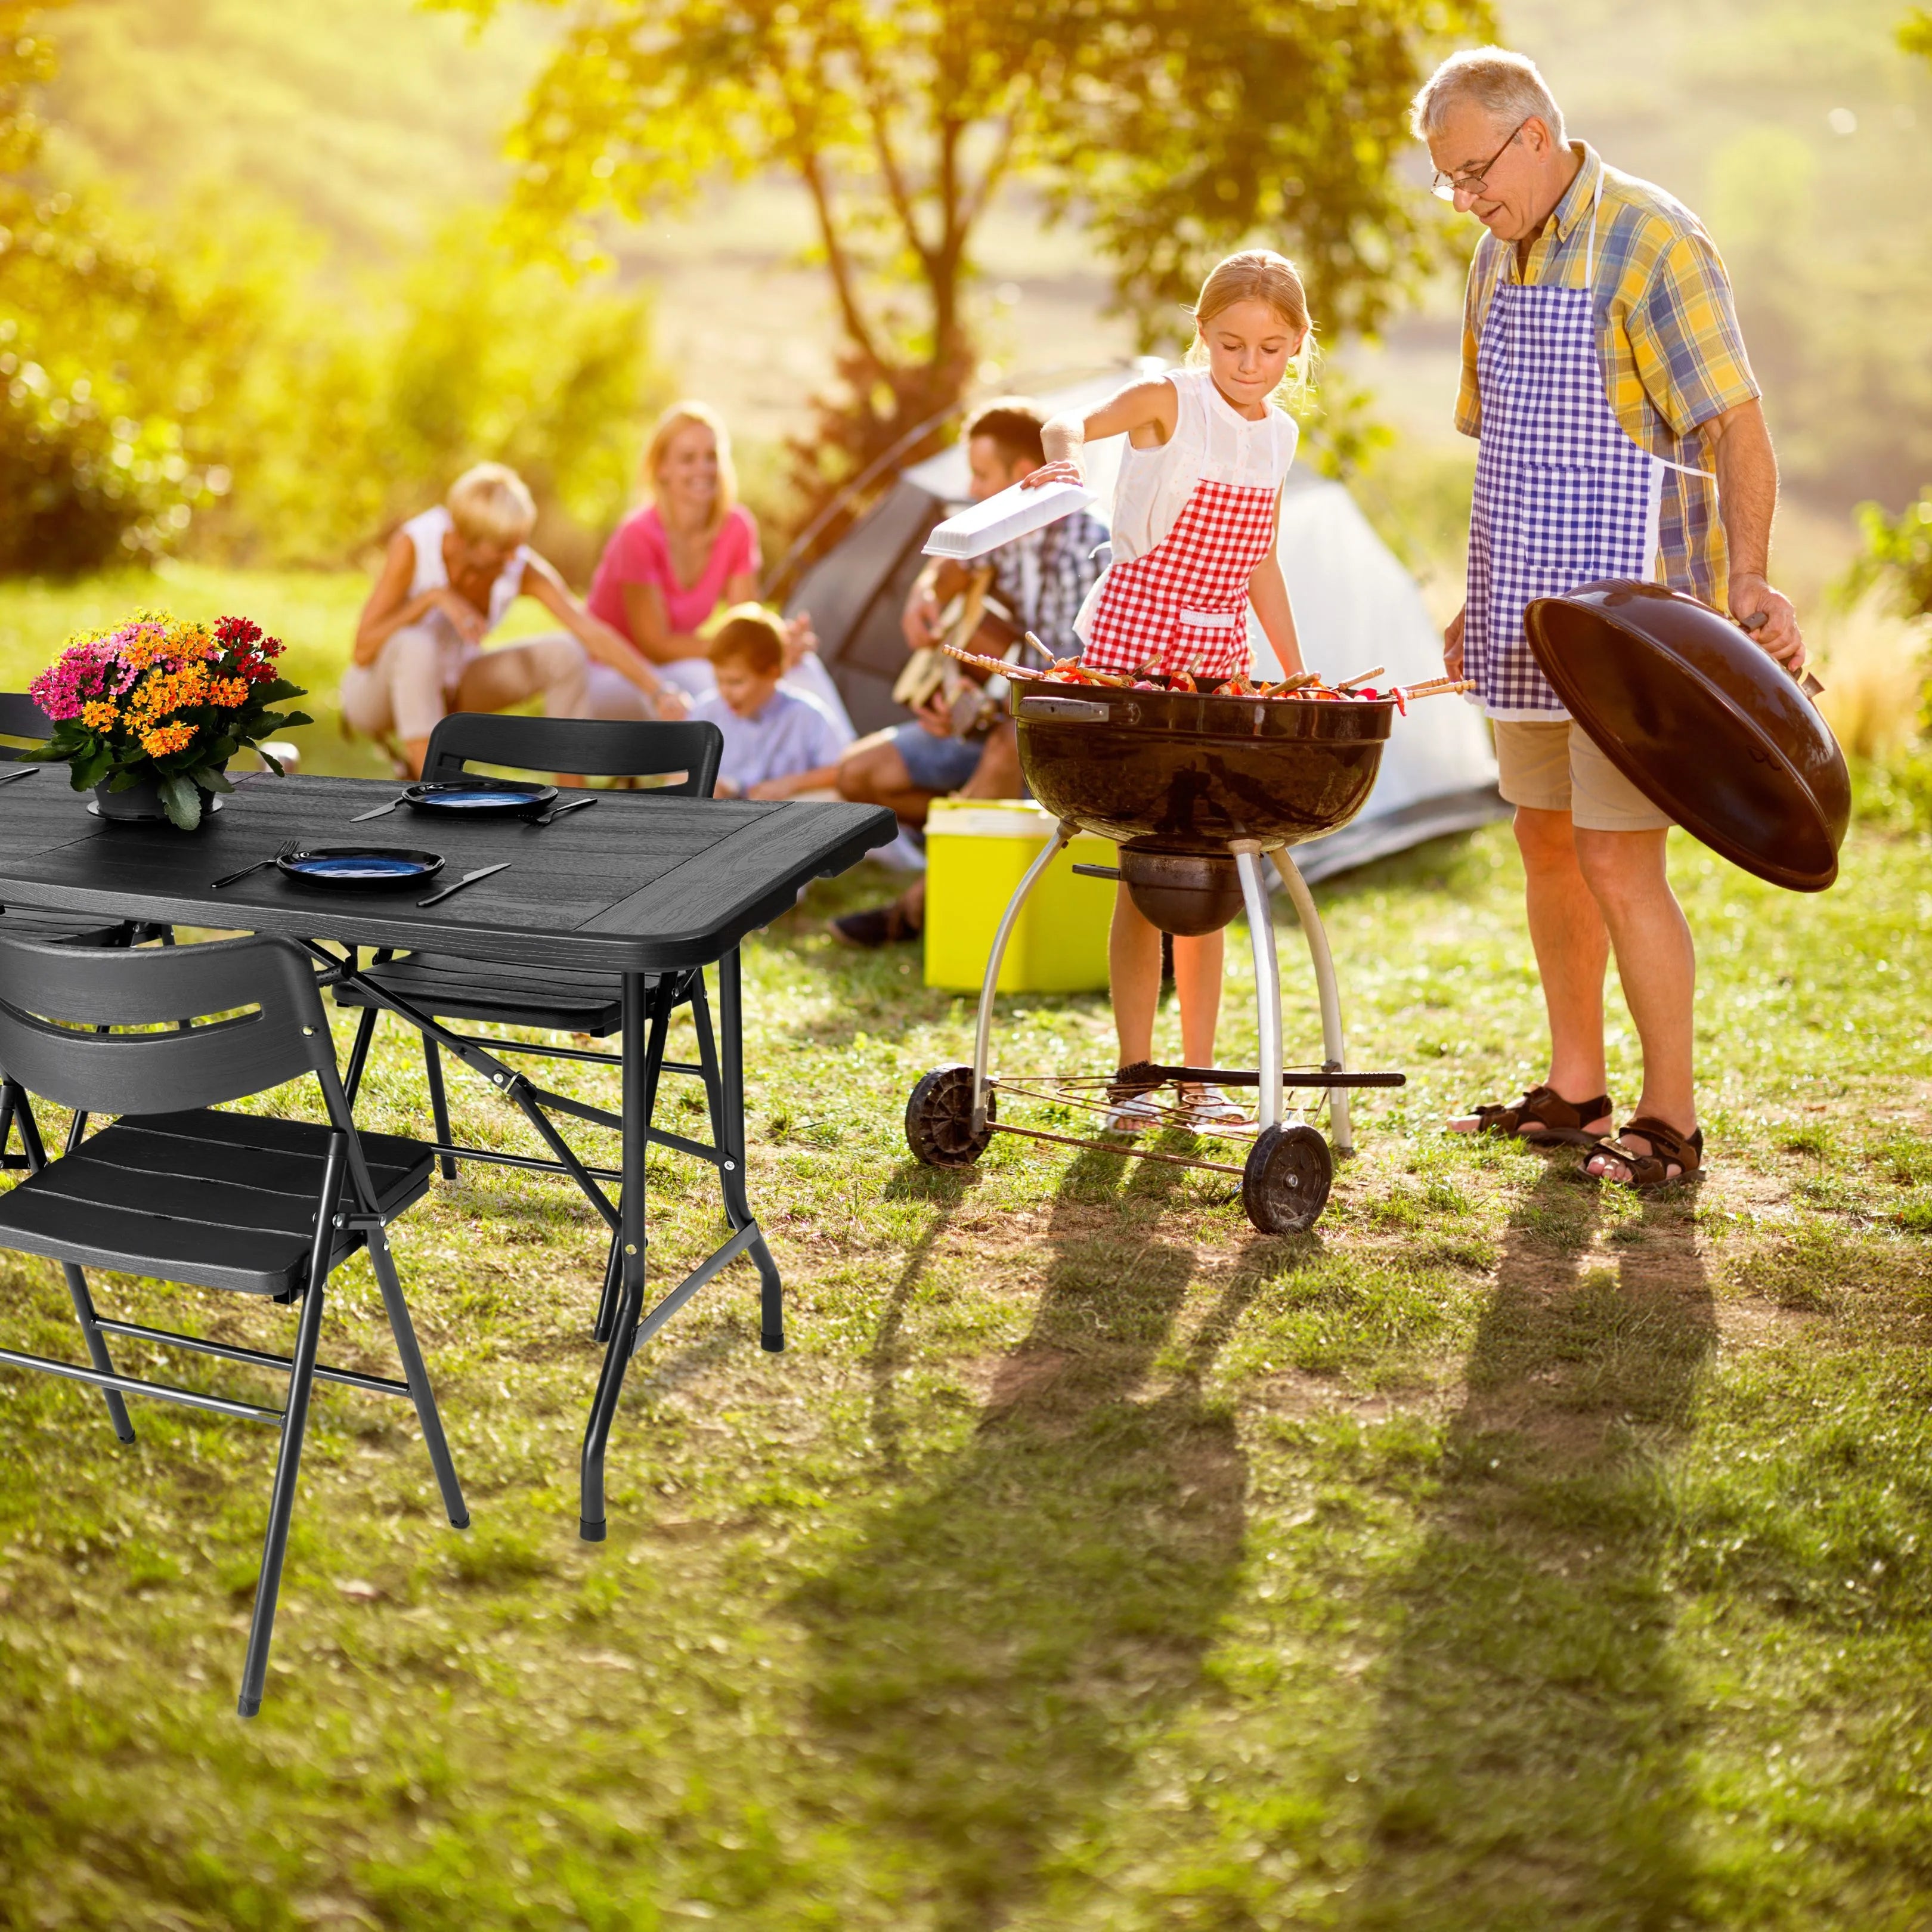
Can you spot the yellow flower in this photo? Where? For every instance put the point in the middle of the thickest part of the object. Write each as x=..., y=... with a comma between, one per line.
x=166, y=738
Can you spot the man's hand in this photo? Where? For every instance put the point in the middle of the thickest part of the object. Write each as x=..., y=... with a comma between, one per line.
x=799, y=637
x=920, y=623
x=1452, y=644
x=935, y=715
x=471, y=624
x=1779, y=634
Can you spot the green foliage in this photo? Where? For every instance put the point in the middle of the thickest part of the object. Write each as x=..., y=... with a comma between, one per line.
x=1900, y=547
x=1164, y=128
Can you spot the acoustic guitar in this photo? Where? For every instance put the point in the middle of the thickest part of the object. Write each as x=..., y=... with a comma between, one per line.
x=972, y=619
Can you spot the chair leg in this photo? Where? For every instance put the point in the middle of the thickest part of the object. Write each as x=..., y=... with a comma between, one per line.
x=614, y=1282
x=282, y=1499
x=295, y=1427
x=97, y=1349
x=417, y=1376
x=438, y=1103
x=358, y=1054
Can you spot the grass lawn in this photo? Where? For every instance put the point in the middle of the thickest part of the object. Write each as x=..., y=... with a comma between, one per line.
x=1507, y=1553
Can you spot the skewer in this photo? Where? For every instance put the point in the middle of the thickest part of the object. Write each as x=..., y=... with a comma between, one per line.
x=1300, y=679
x=1444, y=687
x=1361, y=677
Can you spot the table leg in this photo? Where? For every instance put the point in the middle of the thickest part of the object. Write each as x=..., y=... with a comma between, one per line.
x=731, y=1169
x=637, y=1079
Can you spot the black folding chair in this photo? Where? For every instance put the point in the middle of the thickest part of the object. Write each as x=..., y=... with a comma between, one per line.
x=445, y=988
x=254, y=1204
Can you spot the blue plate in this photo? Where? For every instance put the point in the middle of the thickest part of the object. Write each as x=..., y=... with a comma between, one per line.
x=483, y=797
x=361, y=868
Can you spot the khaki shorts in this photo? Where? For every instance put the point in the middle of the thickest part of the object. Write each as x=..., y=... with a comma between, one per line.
x=1553, y=767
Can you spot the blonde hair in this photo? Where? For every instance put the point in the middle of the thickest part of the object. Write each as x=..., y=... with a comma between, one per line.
x=1507, y=87
x=749, y=635
x=490, y=503
x=1258, y=275
x=683, y=415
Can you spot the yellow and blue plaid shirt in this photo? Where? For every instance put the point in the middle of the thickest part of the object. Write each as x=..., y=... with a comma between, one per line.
x=1667, y=336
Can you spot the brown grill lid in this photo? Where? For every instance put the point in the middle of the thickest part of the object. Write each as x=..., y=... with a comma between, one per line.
x=1708, y=727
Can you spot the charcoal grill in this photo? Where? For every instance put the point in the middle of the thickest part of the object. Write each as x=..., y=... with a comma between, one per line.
x=1196, y=789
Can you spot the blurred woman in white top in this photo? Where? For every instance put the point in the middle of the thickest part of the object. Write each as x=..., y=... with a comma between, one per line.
x=450, y=576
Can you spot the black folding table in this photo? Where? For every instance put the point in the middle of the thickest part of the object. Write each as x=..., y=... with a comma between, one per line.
x=639, y=886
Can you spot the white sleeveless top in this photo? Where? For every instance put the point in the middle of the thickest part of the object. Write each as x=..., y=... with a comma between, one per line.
x=426, y=533
x=1212, y=442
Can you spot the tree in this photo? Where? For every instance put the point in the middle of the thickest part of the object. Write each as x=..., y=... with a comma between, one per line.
x=1174, y=131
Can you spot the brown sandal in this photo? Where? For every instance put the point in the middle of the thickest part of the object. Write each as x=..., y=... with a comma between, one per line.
x=1669, y=1149
x=1561, y=1119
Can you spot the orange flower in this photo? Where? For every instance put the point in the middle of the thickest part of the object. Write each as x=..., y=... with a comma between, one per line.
x=101, y=714
x=166, y=738
x=230, y=690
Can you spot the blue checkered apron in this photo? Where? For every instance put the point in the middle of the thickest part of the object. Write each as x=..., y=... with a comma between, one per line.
x=1563, y=496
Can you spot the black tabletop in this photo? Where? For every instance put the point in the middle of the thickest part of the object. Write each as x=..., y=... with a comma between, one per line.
x=639, y=882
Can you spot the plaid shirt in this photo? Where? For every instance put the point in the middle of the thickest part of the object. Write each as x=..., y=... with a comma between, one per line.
x=1667, y=336
x=1043, y=579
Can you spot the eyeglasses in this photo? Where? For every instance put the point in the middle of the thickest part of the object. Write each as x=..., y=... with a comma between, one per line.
x=1447, y=187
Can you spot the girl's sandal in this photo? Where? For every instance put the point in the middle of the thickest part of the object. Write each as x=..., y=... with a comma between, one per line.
x=1552, y=1117
x=1669, y=1150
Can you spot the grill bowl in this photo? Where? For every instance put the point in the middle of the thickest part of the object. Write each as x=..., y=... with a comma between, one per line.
x=1177, y=771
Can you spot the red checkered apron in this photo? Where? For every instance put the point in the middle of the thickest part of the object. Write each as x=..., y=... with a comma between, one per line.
x=1183, y=606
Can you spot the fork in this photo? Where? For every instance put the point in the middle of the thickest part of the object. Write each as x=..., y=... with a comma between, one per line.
x=557, y=812
x=292, y=848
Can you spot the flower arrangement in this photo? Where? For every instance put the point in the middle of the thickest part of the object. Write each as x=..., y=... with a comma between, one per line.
x=162, y=701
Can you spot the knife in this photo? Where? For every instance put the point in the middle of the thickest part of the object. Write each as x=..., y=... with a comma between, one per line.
x=379, y=811
x=468, y=879
x=25, y=771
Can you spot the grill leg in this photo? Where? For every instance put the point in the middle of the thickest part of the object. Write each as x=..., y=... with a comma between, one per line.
x=1267, y=979
x=1334, y=1044
x=982, y=1031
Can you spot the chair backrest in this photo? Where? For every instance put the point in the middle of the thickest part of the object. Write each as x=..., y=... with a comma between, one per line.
x=51, y=997
x=20, y=717
x=602, y=748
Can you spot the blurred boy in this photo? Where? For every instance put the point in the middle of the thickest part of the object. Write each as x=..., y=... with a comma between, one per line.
x=777, y=743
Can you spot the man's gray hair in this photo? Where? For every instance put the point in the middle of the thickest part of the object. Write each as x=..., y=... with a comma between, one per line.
x=1506, y=86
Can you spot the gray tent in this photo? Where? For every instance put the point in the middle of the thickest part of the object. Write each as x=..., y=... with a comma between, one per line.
x=1355, y=606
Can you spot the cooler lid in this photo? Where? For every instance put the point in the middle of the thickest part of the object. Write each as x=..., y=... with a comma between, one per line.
x=1709, y=727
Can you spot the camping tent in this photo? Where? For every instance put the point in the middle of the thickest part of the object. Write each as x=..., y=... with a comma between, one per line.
x=1355, y=606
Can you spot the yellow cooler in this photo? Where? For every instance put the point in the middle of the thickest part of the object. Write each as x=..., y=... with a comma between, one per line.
x=977, y=850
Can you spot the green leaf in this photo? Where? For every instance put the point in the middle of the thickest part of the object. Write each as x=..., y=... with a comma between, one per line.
x=181, y=801
x=211, y=778
x=89, y=771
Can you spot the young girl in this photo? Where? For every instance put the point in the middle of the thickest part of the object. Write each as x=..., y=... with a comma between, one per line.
x=1194, y=529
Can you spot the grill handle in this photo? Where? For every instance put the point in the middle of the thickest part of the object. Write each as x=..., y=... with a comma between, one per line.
x=1099, y=872
x=1078, y=710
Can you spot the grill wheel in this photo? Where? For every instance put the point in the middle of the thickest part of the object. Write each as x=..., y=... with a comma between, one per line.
x=939, y=1119
x=1284, y=1185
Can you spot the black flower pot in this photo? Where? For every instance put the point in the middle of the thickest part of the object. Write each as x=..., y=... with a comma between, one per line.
x=140, y=803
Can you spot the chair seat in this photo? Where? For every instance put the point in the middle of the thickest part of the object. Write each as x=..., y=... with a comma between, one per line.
x=450, y=988
x=218, y=1200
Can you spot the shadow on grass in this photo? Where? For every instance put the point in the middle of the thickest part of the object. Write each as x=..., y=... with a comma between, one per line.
x=1000, y=1638
x=1529, y=1765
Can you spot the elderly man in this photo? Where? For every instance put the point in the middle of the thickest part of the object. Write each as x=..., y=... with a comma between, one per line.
x=1621, y=436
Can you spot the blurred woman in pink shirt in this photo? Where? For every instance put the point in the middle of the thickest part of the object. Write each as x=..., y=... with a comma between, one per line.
x=669, y=566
